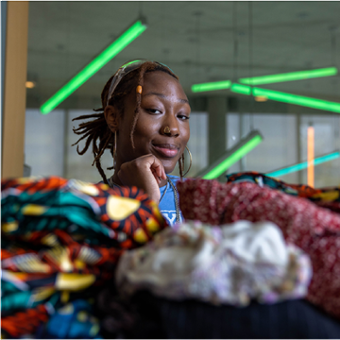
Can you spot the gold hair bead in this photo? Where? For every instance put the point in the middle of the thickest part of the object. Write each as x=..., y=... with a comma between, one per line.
x=139, y=89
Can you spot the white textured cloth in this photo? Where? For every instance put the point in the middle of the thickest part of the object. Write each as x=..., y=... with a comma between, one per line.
x=230, y=264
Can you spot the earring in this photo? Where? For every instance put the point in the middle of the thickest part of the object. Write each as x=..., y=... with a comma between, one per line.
x=181, y=163
x=190, y=160
x=115, y=150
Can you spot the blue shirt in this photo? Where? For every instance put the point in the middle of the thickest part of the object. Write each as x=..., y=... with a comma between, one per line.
x=167, y=205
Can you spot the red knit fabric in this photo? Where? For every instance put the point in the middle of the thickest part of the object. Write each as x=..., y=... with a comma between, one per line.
x=315, y=230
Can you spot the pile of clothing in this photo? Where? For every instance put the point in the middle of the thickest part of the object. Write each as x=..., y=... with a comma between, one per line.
x=83, y=260
x=253, y=242
x=232, y=264
x=308, y=218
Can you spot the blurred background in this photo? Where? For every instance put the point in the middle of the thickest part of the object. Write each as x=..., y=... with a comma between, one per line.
x=202, y=42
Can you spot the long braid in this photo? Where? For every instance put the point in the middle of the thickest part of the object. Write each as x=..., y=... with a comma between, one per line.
x=101, y=171
x=148, y=66
x=113, y=152
x=102, y=146
x=95, y=130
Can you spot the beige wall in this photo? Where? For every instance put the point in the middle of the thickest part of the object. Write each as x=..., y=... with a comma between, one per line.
x=14, y=90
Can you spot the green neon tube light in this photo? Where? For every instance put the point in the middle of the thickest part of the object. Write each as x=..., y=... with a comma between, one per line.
x=277, y=78
x=274, y=78
x=288, y=98
x=231, y=156
x=217, y=85
x=300, y=166
x=242, y=89
x=94, y=66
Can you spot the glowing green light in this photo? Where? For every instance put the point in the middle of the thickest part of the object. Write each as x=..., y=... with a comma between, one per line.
x=273, y=78
x=242, y=89
x=288, y=98
x=232, y=156
x=217, y=85
x=300, y=166
x=94, y=66
x=277, y=78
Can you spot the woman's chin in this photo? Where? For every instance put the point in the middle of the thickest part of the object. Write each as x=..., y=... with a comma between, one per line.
x=168, y=168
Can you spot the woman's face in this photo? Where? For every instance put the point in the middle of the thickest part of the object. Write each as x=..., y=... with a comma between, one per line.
x=164, y=104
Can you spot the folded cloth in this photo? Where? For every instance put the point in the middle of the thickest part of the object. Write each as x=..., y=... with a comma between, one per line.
x=62, y=237
x=313, y=229
x=324, y=197
x=231, y=264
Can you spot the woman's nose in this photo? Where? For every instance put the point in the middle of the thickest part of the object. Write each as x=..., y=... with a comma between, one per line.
x=170, y=126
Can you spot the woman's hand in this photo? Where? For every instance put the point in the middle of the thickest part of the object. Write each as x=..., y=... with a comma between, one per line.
x=146, y=173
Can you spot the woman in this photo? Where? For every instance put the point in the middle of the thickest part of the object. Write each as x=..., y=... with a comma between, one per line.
x=144, y=121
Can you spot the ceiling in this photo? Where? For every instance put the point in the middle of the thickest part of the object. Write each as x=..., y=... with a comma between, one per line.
x=201, y=41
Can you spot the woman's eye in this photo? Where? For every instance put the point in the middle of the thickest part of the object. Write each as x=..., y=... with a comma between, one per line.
x=154, y=111
x=183, y=117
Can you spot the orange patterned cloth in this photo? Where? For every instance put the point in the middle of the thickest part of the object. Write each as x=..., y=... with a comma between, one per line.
x=61, y=237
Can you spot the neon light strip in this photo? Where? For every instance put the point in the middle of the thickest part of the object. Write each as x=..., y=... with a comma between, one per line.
x=269, y=79
x=233, y=155
x=288, y=98
x=310, y=156
x=282, y=77
x=217, y=85
x=300, y=166
x=94, y=66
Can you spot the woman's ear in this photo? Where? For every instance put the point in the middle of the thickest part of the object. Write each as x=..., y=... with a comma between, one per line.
x=112, y=117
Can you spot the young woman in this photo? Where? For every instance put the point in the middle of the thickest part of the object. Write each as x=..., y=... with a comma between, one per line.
x=144, y=121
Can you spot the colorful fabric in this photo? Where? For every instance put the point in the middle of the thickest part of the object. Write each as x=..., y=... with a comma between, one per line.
x=324, y=197
x=23, y=324
x=61, y=237
x=232, y=264
x=313, y=229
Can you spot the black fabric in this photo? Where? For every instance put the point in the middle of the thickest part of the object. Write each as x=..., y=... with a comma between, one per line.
x=192, y=319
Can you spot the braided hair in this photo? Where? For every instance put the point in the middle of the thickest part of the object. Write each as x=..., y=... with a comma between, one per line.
x=97, y=132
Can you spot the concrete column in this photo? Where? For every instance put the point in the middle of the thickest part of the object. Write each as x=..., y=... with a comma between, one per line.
x=217, y=109
x=14, y=106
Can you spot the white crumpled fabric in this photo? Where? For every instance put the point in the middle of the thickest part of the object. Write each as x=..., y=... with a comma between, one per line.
x=230, y=264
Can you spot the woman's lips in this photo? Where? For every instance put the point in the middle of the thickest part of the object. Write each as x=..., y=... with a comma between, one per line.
x=167, y=150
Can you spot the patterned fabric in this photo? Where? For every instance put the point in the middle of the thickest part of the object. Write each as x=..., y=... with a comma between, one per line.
x=313, y=229
x=232, y=264
x=61, y=238
x=324, y=197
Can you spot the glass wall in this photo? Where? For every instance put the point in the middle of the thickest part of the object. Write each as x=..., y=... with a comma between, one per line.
x=202, y=42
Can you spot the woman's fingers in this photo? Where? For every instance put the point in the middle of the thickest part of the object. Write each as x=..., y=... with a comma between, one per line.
x=145, y=172
x=158, y=169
